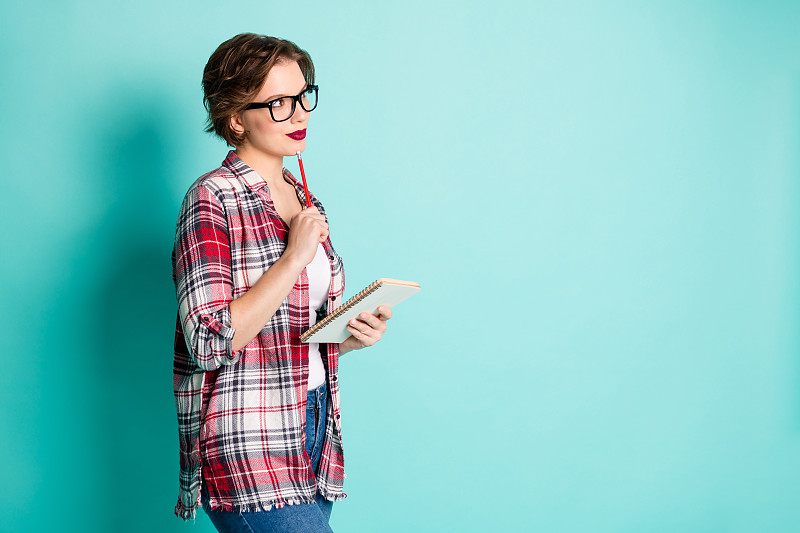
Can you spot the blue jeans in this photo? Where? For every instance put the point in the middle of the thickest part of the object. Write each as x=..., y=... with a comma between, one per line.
x=302, y=518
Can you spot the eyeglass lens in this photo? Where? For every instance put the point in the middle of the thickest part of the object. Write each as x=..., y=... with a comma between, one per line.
x=283, y=108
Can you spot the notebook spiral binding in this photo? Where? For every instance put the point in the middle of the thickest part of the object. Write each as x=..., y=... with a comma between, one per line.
x=352, y=302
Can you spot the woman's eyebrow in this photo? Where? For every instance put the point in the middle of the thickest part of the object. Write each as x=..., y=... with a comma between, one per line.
x=276, y=96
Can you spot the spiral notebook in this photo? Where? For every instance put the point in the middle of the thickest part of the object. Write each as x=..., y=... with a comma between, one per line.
x=333, y=328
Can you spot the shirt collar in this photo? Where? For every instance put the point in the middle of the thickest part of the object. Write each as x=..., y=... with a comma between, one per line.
x=240, y=169
x=253, y=179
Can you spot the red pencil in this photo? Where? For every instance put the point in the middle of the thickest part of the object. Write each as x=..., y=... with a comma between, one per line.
x=305, y=185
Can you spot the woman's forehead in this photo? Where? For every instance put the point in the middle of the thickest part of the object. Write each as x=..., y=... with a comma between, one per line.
x=284, y=78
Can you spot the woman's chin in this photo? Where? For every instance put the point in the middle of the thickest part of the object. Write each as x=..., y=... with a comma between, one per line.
x=297, y=146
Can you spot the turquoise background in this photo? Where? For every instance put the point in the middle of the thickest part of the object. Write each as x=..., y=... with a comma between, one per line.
x=599, y=199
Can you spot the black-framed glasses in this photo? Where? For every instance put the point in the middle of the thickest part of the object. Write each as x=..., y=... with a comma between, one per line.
x=283, y=108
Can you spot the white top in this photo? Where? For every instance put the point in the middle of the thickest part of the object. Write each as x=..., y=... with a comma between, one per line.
x=319, y=282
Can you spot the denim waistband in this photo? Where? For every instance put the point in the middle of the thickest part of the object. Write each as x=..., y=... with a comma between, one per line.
x=322, y=389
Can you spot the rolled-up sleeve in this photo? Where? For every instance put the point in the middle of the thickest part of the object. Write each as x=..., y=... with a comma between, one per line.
x=201, y=262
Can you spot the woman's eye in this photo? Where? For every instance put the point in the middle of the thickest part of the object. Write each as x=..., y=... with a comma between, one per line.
x=277, y=103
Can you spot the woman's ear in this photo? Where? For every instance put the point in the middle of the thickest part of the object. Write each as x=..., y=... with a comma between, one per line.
x=236, y=124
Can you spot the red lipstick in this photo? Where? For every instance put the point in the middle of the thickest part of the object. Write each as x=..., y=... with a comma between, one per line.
x=298, y=135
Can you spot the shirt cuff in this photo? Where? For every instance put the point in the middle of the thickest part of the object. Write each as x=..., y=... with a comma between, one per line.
x=216, y=340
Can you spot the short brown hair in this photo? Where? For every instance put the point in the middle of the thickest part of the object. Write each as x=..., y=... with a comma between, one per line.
x=235, y=73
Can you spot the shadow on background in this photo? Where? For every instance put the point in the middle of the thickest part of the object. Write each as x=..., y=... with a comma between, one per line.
x=134, y=313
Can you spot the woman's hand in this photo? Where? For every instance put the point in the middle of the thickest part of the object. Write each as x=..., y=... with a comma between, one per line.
x=306, y=230
x=366, y=330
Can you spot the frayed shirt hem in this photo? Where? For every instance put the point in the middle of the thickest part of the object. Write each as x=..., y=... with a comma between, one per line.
x=255, y=507
x=186, y=513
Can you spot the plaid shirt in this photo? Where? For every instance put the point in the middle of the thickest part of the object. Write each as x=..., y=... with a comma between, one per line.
x=241, y=414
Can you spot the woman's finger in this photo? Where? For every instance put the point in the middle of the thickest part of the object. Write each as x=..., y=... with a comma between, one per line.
x=367, y=329
x=373, y=321
x=311, y=212
x=384, y=312
x=311, y=215
x=363, y=338
x=360, y=325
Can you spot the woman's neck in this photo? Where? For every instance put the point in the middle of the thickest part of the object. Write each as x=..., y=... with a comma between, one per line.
x=269, y=167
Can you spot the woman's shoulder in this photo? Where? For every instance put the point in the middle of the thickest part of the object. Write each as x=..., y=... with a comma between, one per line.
x=221, y=182
x=219, y=179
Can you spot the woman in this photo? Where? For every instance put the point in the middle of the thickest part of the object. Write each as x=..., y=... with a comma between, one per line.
x=258, y=410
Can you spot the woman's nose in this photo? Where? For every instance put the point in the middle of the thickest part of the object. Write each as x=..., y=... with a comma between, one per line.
x=300, y=114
